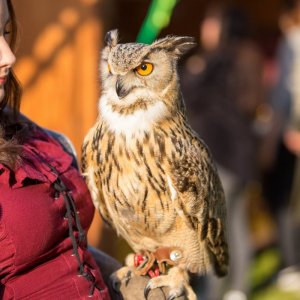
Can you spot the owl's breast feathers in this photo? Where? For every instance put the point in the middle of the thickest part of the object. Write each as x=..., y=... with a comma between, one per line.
x=161, y=185
x=131, y=174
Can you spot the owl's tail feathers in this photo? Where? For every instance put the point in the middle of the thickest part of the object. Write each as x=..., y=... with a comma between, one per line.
x=217, y=245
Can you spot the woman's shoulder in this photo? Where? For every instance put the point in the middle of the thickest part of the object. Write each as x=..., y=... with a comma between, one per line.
x=66, y=143
x=59, y=137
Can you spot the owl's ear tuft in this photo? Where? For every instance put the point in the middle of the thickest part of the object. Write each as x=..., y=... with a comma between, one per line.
x=111, y=38
x=183, y=44
x=178, y=45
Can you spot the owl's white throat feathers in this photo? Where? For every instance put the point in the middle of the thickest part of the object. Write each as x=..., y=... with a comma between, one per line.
x=139, y=122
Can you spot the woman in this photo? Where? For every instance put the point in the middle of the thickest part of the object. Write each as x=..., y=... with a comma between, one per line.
x=45, y=207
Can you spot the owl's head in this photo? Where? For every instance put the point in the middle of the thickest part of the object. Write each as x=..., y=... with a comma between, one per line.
x=138, y=76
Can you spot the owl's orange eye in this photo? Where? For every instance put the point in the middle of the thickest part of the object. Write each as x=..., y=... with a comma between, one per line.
x=108, y=67
x=144, y=69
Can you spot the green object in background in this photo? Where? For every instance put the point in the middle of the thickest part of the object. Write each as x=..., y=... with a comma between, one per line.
x=265, y=265
x=158, y=17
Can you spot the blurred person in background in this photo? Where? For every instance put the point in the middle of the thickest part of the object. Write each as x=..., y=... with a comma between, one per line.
x=282, y=186
x=222, y=86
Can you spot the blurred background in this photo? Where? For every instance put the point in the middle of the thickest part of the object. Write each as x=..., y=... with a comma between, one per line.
x=241, y=89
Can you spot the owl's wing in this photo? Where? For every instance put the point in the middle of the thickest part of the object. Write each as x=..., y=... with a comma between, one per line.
x=90, y=170
x=196, y=189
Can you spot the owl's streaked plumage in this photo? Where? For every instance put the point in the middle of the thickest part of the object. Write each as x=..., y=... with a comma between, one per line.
x=152, y=179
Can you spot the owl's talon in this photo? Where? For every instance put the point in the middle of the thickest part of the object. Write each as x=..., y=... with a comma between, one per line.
x=147, y=291
x=176, y=293
x=127, y=277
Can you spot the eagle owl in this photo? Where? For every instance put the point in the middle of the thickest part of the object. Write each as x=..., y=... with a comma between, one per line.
x=150, y=176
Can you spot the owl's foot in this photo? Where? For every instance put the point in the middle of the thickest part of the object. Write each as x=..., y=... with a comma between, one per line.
x=176, y=280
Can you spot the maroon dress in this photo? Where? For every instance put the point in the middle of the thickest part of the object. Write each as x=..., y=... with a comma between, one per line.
x=41, y=255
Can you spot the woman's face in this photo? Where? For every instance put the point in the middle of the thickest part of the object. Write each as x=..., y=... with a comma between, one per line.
x=7, y=58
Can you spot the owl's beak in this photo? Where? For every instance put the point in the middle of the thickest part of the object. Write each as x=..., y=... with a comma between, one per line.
x=120, y=90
